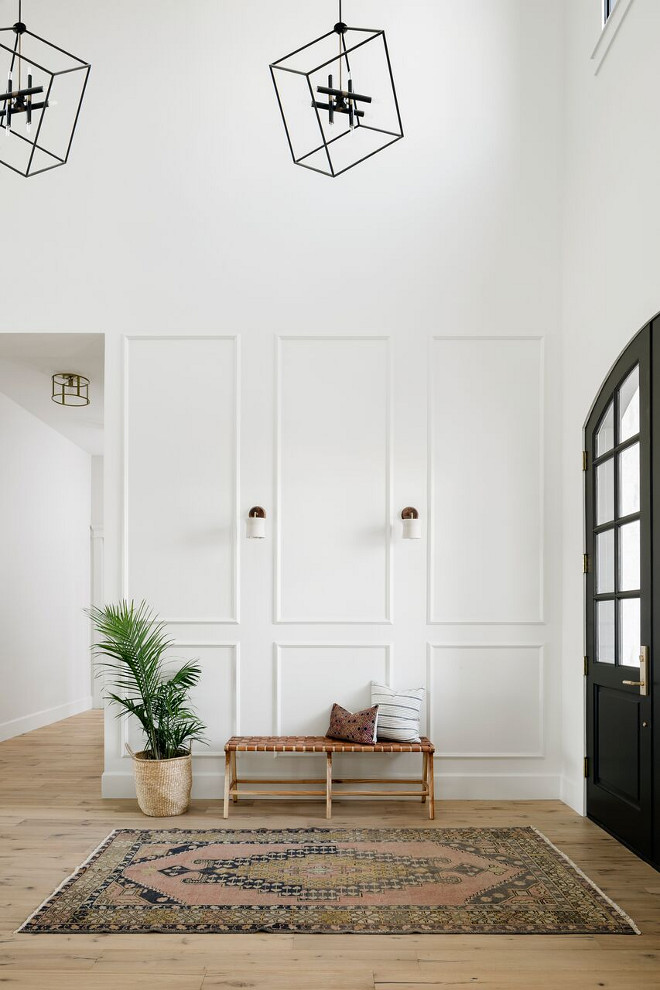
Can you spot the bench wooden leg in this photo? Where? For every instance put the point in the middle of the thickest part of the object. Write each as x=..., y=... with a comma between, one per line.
x=431, y=783
x=425, y=774
x=328, y=785
x=234, y=777
x=227, y=783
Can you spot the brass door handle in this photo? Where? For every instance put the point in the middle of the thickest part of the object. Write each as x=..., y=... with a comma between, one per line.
x=642, y=684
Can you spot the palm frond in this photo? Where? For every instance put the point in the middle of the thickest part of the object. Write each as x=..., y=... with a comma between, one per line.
x=131, y=651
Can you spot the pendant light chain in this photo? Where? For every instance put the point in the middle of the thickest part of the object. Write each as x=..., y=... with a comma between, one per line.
x=20, y=43
x=341, y=61
x=18, y=47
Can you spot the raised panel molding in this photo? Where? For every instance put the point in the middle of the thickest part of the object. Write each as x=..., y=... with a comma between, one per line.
x=234, y=617
x=531, y=552
x=278, y=658
x=468, y=705
x=235, y=697
x=281, y=616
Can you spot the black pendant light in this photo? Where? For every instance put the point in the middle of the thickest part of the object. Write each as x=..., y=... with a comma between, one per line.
x=40, y=100
x=337, y=99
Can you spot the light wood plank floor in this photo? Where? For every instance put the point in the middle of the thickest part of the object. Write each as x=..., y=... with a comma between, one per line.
x=52, y=816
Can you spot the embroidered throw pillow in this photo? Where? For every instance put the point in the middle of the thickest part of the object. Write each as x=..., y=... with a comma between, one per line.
x=358, y=727
x=398, y=712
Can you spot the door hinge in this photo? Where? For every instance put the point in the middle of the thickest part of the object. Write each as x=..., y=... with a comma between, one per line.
x=586, y=766
x=585, y=460
x=586, y=666
x=585, y=563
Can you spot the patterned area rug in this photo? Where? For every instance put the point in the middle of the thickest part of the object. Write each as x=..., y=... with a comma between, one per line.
x=329, y=880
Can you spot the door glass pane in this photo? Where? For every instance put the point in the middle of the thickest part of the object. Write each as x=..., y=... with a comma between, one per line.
x=605, y=432
x=605, y=632
x=605, y=562
x=629, y=563
x=605, y=492
x=629, y=406
x=629, y=632
x=629, y=480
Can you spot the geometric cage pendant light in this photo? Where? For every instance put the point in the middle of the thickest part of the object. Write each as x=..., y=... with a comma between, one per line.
x=337, y=99
x=70, y=389
x=41, y=92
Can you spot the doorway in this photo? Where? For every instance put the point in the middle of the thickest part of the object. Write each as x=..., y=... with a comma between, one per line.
x=620, y=512
x=51, y=532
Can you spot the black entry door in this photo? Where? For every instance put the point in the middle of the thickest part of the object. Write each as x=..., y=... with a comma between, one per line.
x=619, y=619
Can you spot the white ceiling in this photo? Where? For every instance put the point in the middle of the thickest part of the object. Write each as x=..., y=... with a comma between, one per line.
x=27, y=362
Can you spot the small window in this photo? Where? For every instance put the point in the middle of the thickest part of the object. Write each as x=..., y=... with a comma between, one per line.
x=608, y=7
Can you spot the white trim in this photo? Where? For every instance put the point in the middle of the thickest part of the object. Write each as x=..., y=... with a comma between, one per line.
x=206, y=620
x=199, y=622
x=277, y=669
x=539, y=647
x=71, y=876
x=573, y=793
x=584, y=876
x=236, y=697
x=485, y=622
x=430, y=475
x=278, y=618
x=449, y=786
x=37, y=720
x=609, y=32
x=496, y=786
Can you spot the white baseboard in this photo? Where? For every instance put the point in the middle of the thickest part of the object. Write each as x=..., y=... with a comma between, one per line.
x=17, y=726
x=572, y=794
x=497, y=786
x=465, y=787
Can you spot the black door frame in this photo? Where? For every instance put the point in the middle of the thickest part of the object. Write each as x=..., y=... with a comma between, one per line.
x=648, y=336
x=654, y=668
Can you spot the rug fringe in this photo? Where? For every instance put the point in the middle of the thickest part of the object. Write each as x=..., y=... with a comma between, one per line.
x=584, y=876
x=68, y=879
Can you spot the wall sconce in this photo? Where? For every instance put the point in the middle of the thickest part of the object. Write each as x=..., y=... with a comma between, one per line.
x=412, y=526
x=256, y=523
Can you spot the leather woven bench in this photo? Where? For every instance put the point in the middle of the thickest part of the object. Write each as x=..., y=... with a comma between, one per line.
x=322, y=744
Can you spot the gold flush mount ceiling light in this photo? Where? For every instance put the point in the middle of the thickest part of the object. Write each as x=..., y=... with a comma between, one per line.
x=70, y=389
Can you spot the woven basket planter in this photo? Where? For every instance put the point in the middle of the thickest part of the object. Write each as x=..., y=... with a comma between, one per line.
x=162, y=786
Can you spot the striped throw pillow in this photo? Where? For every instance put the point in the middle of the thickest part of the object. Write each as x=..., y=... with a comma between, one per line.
x=398, y=712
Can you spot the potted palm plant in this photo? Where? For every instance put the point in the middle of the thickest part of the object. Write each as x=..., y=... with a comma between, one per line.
x=132, y=652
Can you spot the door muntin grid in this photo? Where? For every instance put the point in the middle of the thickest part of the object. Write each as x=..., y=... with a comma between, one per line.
x=618, y=526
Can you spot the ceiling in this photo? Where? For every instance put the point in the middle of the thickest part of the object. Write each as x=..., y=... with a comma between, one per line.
x=27, y=362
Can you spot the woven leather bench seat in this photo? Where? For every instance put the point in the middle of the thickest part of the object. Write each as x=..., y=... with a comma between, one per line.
x=235, y=788
x=320, y=744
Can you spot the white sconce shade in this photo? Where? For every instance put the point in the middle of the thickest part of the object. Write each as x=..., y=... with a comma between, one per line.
x=256, y=523
x=412, y=524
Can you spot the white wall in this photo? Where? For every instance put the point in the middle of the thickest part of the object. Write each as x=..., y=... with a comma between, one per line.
x=187, y=218
x=237, y=376
x=44, y=573
x=611, y=260
x=97, y=565
x=205, y=227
